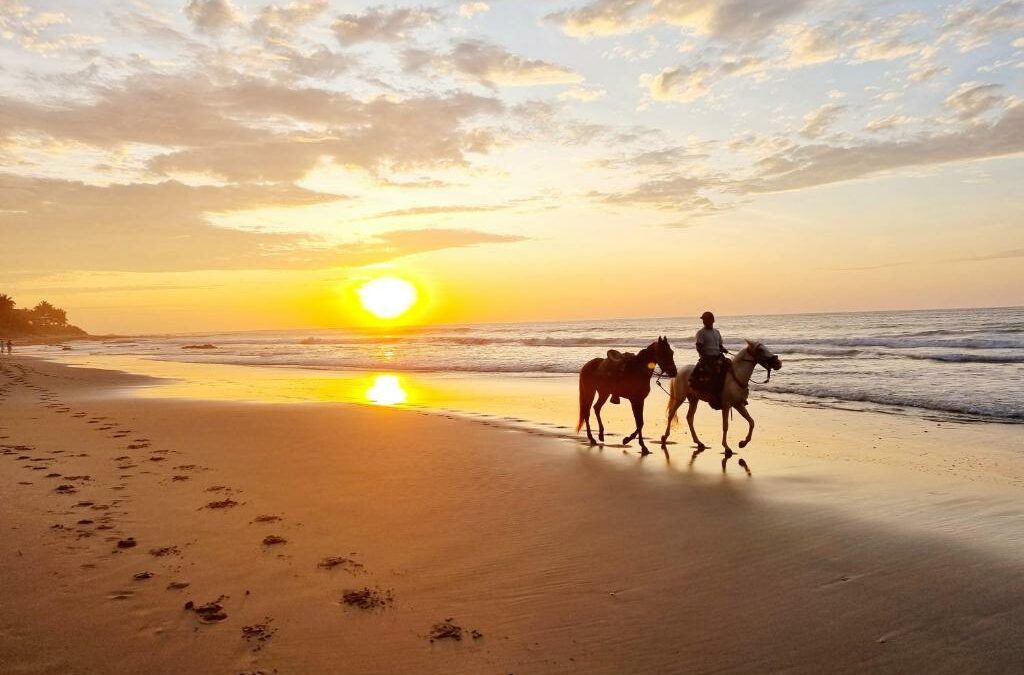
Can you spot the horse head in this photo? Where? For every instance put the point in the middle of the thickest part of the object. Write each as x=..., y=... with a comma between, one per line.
x=763, y=357
x=663, y=356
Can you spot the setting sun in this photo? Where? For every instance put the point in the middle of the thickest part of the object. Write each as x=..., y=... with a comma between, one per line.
x=387, y=297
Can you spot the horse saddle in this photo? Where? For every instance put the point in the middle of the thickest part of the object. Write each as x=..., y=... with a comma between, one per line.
x=615, y=366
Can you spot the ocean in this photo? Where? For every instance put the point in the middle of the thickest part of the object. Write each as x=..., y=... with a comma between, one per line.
x=964, y=364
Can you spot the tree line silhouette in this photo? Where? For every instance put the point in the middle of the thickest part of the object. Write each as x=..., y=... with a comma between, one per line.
x=42, y=320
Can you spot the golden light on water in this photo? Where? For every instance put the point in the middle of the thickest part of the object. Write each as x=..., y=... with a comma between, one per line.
x=387, y=297
x=387, y=390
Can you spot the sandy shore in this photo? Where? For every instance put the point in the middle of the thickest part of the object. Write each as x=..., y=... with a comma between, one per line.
x=563, y=558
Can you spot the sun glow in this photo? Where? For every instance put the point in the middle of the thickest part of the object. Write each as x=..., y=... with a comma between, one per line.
x=387, y=297
x=387, y=390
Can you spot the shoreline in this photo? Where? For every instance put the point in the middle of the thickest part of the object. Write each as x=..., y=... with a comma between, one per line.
x=883, y=463
x=566, y=558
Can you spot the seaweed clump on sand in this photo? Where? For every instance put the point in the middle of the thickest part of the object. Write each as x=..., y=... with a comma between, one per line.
x=368, y=598
x=449, y=630
x=258, y=633
x=344, y=563
x=210, y=612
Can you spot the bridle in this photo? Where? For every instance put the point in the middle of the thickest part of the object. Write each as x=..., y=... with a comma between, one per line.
x=744, y=356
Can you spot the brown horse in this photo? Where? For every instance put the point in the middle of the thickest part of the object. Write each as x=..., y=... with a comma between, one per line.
x=630, y=379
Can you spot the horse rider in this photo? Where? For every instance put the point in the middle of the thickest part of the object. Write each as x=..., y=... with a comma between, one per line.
x=709, y=374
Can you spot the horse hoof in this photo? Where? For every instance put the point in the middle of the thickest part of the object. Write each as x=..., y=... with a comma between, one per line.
x=644, y=451
x=625, y=441
x=743, y=444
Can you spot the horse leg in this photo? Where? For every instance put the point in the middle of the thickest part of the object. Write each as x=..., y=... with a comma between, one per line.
x=691, y=412
x=638, y=416
x=673, y=407
x=725, y=433
x=601, y=398
x=586, y=401
x=742, y=409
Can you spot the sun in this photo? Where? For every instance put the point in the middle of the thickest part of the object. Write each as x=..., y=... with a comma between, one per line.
x=387, y=297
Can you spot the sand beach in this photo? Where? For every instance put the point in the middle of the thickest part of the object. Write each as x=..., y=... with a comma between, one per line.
x=170, y=533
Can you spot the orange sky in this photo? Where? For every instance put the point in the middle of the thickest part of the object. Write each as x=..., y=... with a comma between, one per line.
x=219, y=165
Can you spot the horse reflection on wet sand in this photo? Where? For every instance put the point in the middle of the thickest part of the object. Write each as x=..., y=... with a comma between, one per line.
x=628, y=378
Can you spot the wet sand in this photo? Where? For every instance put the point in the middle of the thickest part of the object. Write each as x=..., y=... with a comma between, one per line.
x=166, y=535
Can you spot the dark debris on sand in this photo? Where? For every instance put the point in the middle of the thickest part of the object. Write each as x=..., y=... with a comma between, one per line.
x=333, y=562
x=222, y=504
x=258, y=633
x=266, y=519
x=369, y=598
x=210, y=612
x=164, y=551
x=449, y=630
x=273, y=540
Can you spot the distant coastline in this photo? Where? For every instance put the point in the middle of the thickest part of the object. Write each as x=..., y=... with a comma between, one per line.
x=43, y=324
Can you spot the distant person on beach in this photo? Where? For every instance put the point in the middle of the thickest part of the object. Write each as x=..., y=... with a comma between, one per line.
x=709, y=374
x=9, y=347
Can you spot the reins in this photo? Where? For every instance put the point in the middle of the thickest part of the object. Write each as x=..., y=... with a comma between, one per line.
x=732, y=372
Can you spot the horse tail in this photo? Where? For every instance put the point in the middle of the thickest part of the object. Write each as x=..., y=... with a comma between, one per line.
x=672, y=410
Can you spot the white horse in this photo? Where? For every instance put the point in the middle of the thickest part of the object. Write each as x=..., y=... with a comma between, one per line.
x=735, y=391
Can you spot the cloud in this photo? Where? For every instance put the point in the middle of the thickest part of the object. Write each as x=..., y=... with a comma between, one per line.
x=383, y=24
x=254, y=130
x=889, y=122
x=279, y=23
x=437, y=211
x=54, y=224
x=32, y=30
x=972, y=25
x=817, y=122
x=999, y=255
x=973, y=99
x=212, y=16
x=736, y=21
x=805, y=166
x=582, y=94
x=661, y=159
x=665, y=192
x=687, y=83
x=471, y=9
x=808, y=45
x=490, y=65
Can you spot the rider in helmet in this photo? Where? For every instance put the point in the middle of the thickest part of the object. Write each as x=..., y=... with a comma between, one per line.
x=709, y=374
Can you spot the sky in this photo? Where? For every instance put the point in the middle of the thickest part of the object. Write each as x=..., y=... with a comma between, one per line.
x=189, y=165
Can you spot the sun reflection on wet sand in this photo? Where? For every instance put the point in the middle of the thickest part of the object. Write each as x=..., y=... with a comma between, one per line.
x=387, y=390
